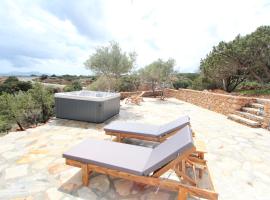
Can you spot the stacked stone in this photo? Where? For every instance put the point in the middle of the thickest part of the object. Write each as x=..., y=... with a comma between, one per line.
x=266, y=122
x=221, y=103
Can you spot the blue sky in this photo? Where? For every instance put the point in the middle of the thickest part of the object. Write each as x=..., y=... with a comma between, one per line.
x=57, y=36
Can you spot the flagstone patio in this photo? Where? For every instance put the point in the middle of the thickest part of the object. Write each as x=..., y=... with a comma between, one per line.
x=32, y=167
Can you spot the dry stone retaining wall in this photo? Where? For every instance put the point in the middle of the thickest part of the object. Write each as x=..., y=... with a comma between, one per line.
x=224, y=104
x=266, y=121
x=146, y=93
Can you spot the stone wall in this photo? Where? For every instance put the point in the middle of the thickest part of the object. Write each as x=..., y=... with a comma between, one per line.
x=221, y=103
x=266, y=122
x=146, y=94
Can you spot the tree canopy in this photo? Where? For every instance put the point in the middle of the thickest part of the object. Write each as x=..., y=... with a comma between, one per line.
x=230, y=63
x=158, y=73
x=111, y=61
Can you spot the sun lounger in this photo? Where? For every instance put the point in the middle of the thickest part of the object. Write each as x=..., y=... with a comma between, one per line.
x=122, y=130
x=135, y=99
x=145, y=131
x=141, y=164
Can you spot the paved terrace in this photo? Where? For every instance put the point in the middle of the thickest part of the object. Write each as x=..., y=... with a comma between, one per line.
x=31, y=166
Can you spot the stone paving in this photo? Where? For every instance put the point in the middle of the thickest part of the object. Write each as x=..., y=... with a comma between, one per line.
x=31, y=166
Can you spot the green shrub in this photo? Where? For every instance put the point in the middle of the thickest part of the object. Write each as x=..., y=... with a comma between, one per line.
x=251, y=85
x=103, y=84
x=201, y=83
x=74, y=86
x=127, y=83
x=5, y=126
x=43, y=100
x=12, y=85
x=184, y=83
x=43, y=77
x=26, y=108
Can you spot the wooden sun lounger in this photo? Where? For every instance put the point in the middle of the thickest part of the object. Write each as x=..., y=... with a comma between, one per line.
x=122, y=130
x=141, y=164
x=135, y=99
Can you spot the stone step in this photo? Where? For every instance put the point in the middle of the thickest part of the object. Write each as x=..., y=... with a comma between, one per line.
x=254, y=111
x=244, y=121
x=263, y=101
x=249, y=116
x=256, y=105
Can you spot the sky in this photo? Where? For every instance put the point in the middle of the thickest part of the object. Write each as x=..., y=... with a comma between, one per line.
x=57, y=36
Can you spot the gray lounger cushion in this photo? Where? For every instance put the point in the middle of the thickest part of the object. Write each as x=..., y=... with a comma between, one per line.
x=169, y=150
x=130, y=158
x=147, y=129
x=113, y=155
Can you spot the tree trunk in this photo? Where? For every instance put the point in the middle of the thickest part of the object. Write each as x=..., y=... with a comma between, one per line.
x=256, y=76
x=267, y=73
x=225, y=88
x=20, y=126
x=153, y=88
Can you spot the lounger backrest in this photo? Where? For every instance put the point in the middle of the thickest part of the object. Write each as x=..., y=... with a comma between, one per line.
x=169, y=150
x=174, y=125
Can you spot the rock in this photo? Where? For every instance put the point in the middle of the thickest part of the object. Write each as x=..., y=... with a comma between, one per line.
x=15, y=172
x=100, y=183
x=86, y=193
x=123, y=187
x=53, y=194
x=156, y=196
x=57, y=168
x=24, y=198
x=111, y=194
x=69, y=187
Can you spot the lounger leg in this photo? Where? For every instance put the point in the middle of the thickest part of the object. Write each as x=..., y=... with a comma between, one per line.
x=201, y=156
x=119, y=139
x=85, y=175
x=182, y=194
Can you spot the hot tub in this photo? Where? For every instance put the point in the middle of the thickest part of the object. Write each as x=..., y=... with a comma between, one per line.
x=90, y=106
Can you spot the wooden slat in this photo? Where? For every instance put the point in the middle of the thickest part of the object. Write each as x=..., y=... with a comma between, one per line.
x=73, y=163
x=186, y=178
x=182, y=194
x=163, y=183
x=174, y=163
x=135, y=136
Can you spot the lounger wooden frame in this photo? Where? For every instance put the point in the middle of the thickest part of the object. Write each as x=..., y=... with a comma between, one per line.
x=135, y=99
x=178, y=165
x=120, y=136
x=200, y=147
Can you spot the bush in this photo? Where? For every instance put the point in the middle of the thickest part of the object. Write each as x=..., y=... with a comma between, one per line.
x=43, y=77
x=201, y=83
x=251, y=85
x=12, y=85
x=5, y=126
x=184, y=83
x=26, y=108
x=44, y=100
x=128, y=83
x=103, y=84
x=74, y=86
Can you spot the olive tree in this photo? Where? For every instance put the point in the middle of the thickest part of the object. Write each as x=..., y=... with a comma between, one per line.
x=110, y=62
x=158, y=73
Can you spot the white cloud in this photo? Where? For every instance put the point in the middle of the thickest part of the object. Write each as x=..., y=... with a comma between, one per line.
x=57, y=37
